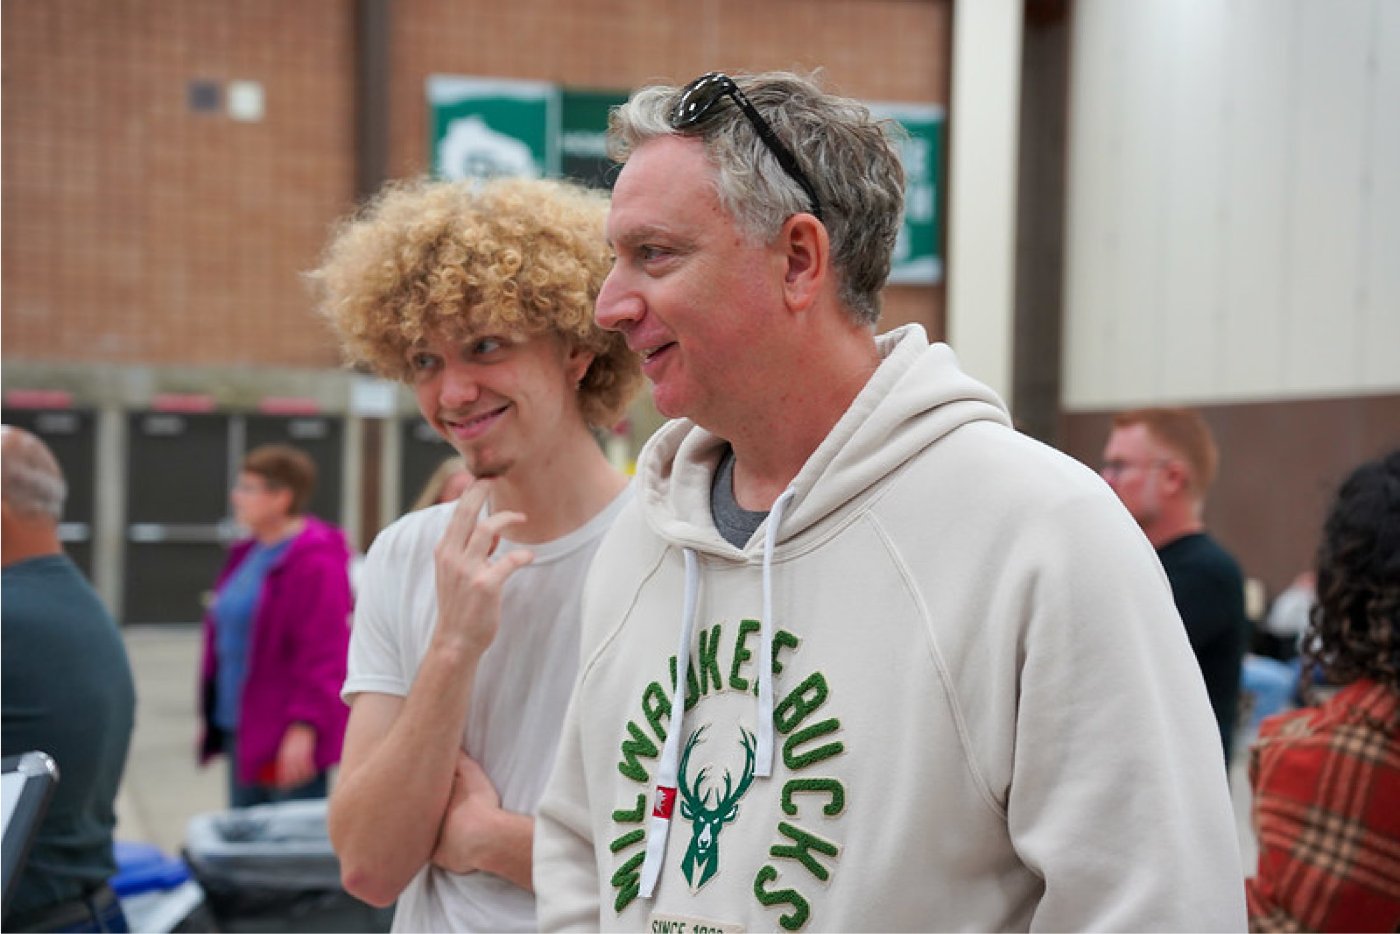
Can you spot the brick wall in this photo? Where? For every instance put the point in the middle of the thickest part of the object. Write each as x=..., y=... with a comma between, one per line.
x=141, y=230
x=886, y=50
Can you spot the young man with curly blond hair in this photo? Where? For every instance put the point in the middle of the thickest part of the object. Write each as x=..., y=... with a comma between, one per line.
x=479, y=296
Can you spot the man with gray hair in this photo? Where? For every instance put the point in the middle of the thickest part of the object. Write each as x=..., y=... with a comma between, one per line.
x=885, y=663
x=67, y=691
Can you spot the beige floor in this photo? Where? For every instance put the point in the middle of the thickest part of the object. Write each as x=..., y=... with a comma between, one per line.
x=164, y=788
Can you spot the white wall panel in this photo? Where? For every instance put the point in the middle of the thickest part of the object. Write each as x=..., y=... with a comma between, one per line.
x=1259, y=90
x=1322, y=330
x=1189, y=352
x=1091, y=220
x=1381, y=233
x=1233, y=211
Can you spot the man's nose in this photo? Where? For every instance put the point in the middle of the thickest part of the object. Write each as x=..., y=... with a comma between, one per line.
x=617, y=305
x=459, y=386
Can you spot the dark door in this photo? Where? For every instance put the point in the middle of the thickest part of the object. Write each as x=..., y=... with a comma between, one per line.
x=177, y=504
x=423, y=450
x=72, y=436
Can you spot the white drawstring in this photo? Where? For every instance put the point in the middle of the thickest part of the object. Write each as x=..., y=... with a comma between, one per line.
x=663, y=804
x=659, y=827
x=764, y=765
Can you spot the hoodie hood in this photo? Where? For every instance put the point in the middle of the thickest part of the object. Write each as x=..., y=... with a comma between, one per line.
x=917, y=395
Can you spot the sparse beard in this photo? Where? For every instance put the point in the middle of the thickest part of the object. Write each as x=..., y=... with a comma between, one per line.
x=489, y=471
x=488, y=467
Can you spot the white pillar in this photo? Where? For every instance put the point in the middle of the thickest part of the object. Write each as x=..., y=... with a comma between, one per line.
x=109, y=539
x=983, y=123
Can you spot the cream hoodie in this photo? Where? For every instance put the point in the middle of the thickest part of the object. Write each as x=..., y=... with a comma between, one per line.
x=985, y=713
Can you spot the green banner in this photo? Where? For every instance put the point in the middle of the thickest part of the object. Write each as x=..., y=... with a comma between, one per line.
x=918, y=256
x=583, y=137
x=484, y=127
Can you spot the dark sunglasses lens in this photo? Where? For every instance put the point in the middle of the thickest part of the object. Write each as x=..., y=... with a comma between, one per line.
x=699, y=98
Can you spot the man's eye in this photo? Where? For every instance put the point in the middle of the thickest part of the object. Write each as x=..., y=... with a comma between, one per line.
x=649, y=253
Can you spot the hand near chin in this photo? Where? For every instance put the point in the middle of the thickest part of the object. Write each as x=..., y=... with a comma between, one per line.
x=469, y=824
x=469, y=579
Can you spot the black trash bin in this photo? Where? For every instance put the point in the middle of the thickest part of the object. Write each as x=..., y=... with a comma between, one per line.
x=271, y=868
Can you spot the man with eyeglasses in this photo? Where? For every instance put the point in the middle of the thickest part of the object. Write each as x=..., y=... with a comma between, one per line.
x=858, y=656
x=1161, y=463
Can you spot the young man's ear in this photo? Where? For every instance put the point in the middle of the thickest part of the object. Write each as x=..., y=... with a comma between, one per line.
x=576, y=364
x=806, y=257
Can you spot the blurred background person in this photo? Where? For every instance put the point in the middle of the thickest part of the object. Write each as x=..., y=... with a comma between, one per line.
x=445, y=485
x=1161, y=463
x=275, y=637
x=67, y=691
x=1269, y=680
x=1326, y=779
x=1287, y=619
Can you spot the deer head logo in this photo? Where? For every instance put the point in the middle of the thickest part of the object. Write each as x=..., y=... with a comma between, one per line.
x=701, y=858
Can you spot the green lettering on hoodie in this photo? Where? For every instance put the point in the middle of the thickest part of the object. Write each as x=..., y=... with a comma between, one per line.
x=628, y=881
x=655, y=705
x=834, y=789
x=795, y=762
x=800, y=849
x=794, y=919
x=709, y=659
x=639, y=745
x=741, y=654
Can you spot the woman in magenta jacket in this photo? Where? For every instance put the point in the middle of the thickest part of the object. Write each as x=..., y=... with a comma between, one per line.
x=275, y=637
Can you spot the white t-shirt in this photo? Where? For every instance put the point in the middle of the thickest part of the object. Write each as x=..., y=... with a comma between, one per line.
x=518, y=701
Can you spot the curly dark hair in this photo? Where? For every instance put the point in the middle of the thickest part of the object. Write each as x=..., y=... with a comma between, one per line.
x=1354, y=629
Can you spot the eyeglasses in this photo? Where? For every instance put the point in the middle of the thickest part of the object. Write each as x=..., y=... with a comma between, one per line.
x=698, y=100
x=1115, y=468
x=245, y=486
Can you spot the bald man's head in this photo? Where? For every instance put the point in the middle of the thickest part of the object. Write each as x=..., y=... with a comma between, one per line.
x=31, y=482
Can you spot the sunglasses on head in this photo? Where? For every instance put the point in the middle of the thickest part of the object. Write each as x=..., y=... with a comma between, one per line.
x=697, y=102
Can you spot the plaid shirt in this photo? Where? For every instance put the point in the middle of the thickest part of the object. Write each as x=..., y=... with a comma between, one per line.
x=1327, y=815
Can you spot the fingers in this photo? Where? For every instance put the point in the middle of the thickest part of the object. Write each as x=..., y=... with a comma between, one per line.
x=507, y=564
x=463, y=521
x=486, y=535
x=471, y=781
x=463, y=768
x=468, y=769
x=475, y=538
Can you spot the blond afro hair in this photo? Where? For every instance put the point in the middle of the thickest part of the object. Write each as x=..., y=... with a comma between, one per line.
x=460, y=258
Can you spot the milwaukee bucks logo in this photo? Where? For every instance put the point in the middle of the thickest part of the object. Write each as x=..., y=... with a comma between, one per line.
x=701, y=859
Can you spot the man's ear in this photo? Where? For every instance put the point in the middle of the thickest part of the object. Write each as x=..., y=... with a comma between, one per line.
x=806, y=260
x=577, y=360
x=1176, y=475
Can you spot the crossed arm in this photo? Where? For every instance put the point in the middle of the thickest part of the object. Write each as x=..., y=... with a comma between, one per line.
x=407, y=795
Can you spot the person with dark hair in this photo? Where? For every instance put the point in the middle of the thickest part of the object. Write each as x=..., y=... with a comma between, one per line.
x=479, y=297
x=67, y=692
x=1326, y=779
x=858, y=656
x=275, y=637
x=1161, y=462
